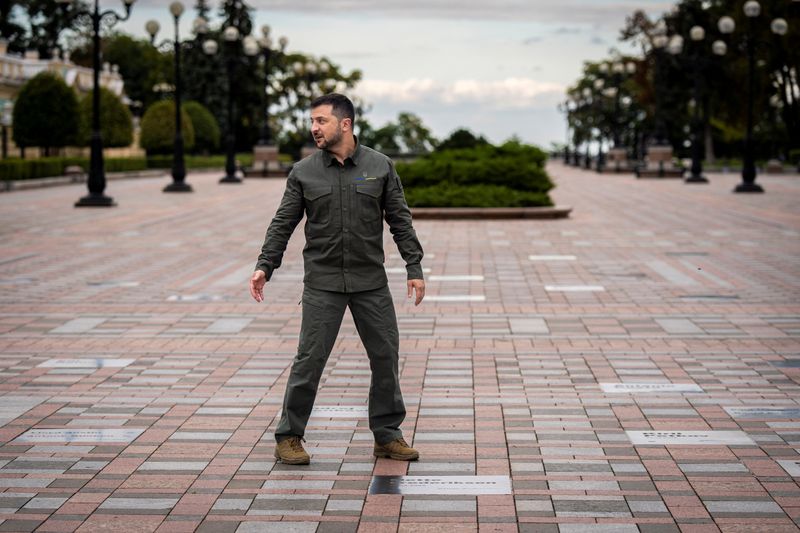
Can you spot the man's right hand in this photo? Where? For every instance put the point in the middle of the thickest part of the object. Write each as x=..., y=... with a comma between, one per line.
x=257, y=283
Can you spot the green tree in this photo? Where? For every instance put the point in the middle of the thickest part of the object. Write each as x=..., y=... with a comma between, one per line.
x=11, y=28
x=46, y=113
x=461, y=138
x=46, y=20
x=158, y=128
x=206, y=129
x=202, y=8
x=408, y=134
x=141, y=66
x=116, y=122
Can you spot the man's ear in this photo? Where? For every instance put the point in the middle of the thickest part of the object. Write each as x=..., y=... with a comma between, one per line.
x=347, y=124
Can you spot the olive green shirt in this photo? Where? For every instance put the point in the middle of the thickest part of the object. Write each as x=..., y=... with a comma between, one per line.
x=345, y=205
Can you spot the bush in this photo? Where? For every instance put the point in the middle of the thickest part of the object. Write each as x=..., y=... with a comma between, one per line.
x=198, y=161
x=448, y=195
x=116, y=123
x=206, y=129
x=509, y=175
x=461, y=138
x=158, y=128
x=45, y=167
x=46, y=113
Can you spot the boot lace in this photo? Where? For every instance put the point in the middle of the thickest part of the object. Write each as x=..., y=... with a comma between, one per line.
x=295, y=443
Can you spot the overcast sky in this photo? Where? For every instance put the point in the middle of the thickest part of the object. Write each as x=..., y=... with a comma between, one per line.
x=498, y=68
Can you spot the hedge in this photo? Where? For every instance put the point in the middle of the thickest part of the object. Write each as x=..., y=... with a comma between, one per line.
x=26, y=169
x=509, y=175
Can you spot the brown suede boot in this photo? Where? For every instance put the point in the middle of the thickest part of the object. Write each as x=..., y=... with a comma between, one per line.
x=398, y=449
x=290, y=452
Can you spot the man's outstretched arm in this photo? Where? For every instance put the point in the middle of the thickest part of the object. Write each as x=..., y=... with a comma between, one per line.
x=289, y=214
x=398, y=216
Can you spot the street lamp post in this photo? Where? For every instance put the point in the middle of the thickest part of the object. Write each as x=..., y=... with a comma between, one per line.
x=265, y=43
x=697, y=34
x=601, y=157
x=779, y=27
x=178, y=160
x=97, y=177
x=231, y=37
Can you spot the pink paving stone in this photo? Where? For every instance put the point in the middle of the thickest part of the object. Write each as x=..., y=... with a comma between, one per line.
x=698, y=528
x=378, y=527
x=121, y=523
x=59, y=526
x=178, y=526
x=410, y=525
x=382, y=505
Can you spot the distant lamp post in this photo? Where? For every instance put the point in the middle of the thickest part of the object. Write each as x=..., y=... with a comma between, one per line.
x=265, y=43
x=178, y=161
x=697, y=34
x=587, y=101
x=97, y=177
x=231, y=36
x=6, y=119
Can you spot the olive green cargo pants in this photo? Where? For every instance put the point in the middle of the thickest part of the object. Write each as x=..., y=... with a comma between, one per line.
x=375, y=320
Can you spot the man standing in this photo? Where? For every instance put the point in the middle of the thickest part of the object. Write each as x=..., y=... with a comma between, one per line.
x=345, y=190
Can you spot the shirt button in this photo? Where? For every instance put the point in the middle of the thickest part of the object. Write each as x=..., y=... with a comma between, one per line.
x=344, y=208
x=346, y=230
x=346, y=270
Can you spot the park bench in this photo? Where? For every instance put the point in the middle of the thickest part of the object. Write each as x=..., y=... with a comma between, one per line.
x=266, y=163
x=659, y=164
x=617, y=161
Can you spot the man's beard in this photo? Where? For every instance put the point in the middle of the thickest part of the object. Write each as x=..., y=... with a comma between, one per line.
x=333, y=141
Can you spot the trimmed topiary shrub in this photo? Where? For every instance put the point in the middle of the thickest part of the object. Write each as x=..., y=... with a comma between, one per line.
x=46, y=113
x=509, y=175
x=116, y=122
x=158, y=128
x=206, y=129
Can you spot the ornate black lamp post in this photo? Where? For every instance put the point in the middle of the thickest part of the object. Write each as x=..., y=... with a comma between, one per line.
x=779, y=27
x=97, y=176
x=232, y=40
x=697, y=34
x=752, y=10
x=178, y=163
x=265, y=43
x=599, y=84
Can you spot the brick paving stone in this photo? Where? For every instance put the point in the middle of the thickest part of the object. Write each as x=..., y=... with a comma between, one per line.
x=138, y=317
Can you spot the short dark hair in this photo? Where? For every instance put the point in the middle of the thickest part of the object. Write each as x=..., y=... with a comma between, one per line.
x=342, y=106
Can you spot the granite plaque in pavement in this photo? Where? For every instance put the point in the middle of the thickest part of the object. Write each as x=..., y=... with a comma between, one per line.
x=574, y=288
x=791, y=466
x=787, y=363
x=763, y=412
x=194, y=298
x=112, y=283
x=340, y=411
x=701, y=438
x=79, y=435
x=450, y=485
x=86, y=363
x=551, y=258
x=649, y=387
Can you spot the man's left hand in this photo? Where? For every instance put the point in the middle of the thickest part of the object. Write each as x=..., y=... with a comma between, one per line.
x=418, y=286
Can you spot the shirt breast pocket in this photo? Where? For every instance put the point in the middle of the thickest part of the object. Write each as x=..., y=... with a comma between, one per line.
x=318, y=204
x=368, y=197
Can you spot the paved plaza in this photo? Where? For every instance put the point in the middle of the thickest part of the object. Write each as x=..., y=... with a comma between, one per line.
x=635, y=367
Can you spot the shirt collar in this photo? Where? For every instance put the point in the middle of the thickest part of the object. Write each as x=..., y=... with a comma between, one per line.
x=330, y=159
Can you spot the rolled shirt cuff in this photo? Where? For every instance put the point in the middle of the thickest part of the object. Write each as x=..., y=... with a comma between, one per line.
x=266, y=268
x=414, y=271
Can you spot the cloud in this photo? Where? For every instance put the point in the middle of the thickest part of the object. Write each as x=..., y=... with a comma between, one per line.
x=510, y=93
x=595, y=12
